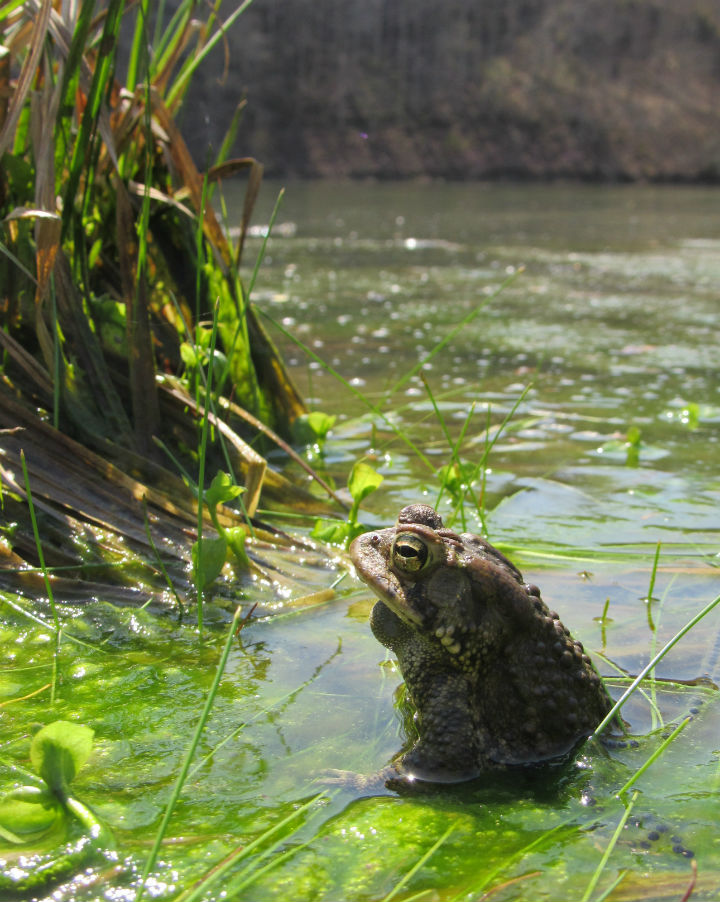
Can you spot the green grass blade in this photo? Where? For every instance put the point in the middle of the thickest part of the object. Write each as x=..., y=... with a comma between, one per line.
x=608, y=851
x=101, y=82
x=477, y=889
x=186, y=72
x=616, y=882
x=137, y=48
x=167, y=37
x=653, y=662
x=10, y=7
x=474, y=313
x=243, y=851
x=202, y=451
x=655, y=755
x=23, y=269
x=237, y=623
x=266, y=238
x=418, y=864
x=46, y=577
x=73, y=62
x=351, y=388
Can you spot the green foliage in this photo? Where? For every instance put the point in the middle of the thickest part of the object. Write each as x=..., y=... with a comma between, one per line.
x=58, y=751
x=198, y=359
x=633, y=443
x=28, y=814
x=39, y=820
x=363, y=481
x=135, y=214
x=631, y=449
x=313, y=428
x=209, y=555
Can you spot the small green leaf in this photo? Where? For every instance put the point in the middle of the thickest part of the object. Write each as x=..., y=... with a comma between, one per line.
x=363, y=481
x=58, y=751
x=27, y=813
x=189, y=355
x=222, y=489
x=334, y=532
x=312, y=427
x=320, y=423
x=212, y=559
x=236, y=537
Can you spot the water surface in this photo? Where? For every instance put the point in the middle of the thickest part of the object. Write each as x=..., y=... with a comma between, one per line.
x=604, y=339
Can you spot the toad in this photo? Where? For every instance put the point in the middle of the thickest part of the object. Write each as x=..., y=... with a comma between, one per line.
x=495, y=678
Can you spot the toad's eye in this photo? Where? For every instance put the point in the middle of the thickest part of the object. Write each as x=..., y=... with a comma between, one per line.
x=409, y=552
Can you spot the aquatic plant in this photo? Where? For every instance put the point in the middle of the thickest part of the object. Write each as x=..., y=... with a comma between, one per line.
x=46, y=817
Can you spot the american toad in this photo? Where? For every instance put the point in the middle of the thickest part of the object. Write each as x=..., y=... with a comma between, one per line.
x=496, y=679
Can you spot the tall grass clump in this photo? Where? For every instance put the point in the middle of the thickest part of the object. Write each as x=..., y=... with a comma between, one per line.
x=125, y=321
x=112, y=257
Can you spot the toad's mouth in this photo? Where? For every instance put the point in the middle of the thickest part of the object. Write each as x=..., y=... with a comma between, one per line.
x=389, y=590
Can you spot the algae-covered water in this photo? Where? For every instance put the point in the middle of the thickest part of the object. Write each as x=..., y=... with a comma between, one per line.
x=602, y=344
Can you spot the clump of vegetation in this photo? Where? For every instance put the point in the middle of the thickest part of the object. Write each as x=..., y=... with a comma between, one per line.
x=124, y=316
x=113, y=256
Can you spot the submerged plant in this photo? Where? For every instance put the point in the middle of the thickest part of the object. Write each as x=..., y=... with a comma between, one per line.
x=47, y=832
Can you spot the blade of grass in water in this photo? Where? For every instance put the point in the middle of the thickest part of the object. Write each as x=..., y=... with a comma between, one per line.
x=476, y=889
x=653, y=662
x=608, y=852
x=453, y=332
x=616, y=882
x=46, y=577
x=252, y=872
x=653, y=634
x=655, y=755
x=657, y=719
x=237, y=624
x=202, y=452
x=418, y=864
x=263, y=246
x=351, y=388
x=454, y=446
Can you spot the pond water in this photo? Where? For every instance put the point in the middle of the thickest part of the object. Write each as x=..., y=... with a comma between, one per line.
x=585, y=316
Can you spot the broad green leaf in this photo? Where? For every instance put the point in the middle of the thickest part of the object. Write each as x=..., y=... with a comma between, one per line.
x=312, y=427
x=59, y=750
x=363, y=481
x=320, y=423
x=212, y=559
x=336, y=533
x=189, y=355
